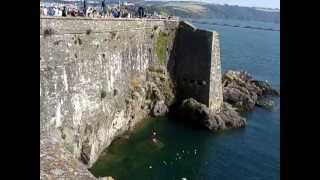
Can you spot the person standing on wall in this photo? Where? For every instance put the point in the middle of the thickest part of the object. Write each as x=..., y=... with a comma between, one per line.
x=140, y=12
x=64, y=11
x=104, y=9
x=85, y=7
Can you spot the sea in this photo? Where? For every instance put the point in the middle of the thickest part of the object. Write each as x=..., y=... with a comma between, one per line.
x=186, y=153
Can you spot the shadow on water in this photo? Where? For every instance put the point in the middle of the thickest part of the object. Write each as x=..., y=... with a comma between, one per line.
x=193, y=153
x=181, y=151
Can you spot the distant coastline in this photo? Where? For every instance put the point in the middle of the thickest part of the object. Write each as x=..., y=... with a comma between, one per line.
x=236, y=26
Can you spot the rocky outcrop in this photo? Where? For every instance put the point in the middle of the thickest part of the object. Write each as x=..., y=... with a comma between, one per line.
x=159, y=90
x=198, y=113
x=159, y=109
x=230, y=118
x=244, y=92
x=241, y=93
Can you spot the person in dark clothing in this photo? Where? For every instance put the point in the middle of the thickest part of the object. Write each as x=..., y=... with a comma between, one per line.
x=64, y=11
x=140, y=12
x=116, y=13
x=104, y=9
x=85, y=7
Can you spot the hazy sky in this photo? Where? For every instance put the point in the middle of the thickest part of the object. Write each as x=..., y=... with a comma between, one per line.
x=256, y=3
x=250, y=3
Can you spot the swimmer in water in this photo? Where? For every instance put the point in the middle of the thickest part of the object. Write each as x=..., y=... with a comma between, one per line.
x=154, y=138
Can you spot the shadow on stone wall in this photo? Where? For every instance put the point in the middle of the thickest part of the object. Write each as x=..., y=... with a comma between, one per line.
x=189, y=63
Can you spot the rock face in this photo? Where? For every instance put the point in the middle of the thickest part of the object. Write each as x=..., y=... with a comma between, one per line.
x=228, y=118
x=58, y=163
x=94, y=87
x=241, y=93
x=200, y=114
x=159, y=109
x=244, y=92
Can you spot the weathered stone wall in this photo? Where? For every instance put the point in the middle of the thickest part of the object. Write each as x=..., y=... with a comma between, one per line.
x=94, y=78
x=99, y=77
x=215, y=91
x=197, y=68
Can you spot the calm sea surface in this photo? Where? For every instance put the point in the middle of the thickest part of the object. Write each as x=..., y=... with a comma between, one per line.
x=251, y=153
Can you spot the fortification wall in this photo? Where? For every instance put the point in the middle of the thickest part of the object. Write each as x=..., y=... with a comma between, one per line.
x=197, y=66
x=91, y=75
x=98, y=78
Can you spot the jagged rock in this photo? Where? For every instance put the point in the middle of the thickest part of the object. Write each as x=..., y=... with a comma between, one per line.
x=135, y=95
x=243, y=92
x=85, y=152
x=194, y=111
x=266, y=88
x=159, y=109
x=239, y=98
x=265, y=103
x=230, y=116
x=154, y=92
x=198, y=113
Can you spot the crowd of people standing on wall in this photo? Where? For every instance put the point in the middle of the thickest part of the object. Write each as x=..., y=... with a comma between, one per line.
x=104, y=11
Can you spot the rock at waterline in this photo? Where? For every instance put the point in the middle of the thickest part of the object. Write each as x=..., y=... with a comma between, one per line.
x=244, y=93
x=241, y=93
x=266, y=88
x=198, y=113
x=265, y=103
x=159, y=109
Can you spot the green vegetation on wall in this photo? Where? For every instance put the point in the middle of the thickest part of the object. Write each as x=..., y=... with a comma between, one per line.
x=161, y=45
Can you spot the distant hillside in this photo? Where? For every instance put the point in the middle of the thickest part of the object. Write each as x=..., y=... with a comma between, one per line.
x=198, y=10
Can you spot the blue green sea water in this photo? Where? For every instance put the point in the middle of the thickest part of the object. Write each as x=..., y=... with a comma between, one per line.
x=251, y=153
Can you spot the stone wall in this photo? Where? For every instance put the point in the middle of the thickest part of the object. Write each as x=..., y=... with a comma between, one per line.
x=197, y=68
x=93, y=78
x=98, y=78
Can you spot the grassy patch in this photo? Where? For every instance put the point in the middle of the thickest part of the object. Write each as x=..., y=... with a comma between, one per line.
x=161, y=47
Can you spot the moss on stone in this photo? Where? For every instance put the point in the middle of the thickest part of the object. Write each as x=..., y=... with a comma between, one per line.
x=161, y=47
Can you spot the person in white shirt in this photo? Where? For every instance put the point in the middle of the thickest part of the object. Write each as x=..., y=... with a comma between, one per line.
x=59, y=12
x=45, y=11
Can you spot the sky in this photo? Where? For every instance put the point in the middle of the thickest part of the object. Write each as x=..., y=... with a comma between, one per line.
x=247, y=3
